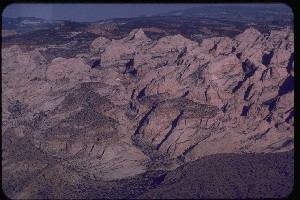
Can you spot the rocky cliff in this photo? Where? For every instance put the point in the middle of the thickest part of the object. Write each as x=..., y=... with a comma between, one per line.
x=133, y=105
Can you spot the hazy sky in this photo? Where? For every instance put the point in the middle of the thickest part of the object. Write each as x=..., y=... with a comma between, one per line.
x=89, y=12
x=94, y=12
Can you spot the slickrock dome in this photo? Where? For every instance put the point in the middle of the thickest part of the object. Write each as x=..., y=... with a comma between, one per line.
x=184, y=101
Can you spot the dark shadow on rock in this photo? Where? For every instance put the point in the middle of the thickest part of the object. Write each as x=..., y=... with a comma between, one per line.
x=142, y=93
x=245, y=111
x=266, y=59
x=287, y=86
x=290, y=63
x=248, y=90
x=96, y=63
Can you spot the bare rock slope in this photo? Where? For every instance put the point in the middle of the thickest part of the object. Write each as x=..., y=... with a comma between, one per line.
x=133, y=105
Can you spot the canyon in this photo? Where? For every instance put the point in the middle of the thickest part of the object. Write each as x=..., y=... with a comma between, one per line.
x=133, y=106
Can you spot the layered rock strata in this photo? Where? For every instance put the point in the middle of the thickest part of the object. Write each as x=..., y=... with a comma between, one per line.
x=151, y=105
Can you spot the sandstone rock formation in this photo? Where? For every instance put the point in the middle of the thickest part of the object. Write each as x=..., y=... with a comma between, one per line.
x=151, y=105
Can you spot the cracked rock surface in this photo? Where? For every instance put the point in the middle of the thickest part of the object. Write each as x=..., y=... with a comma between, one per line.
x=147, y=105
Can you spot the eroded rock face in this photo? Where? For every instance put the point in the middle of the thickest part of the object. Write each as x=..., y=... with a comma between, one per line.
x=152, y=104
